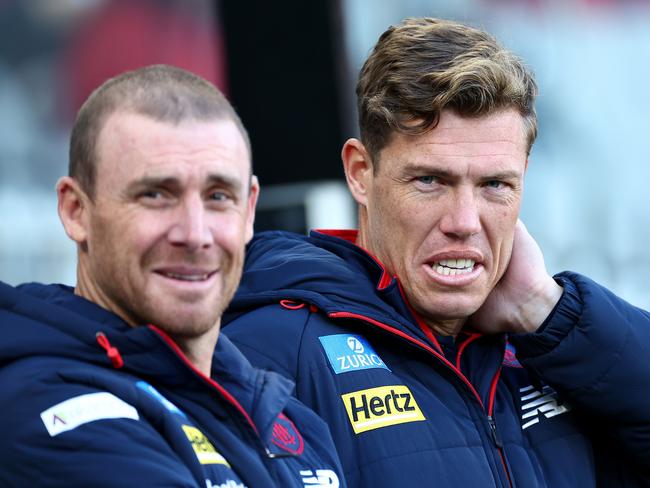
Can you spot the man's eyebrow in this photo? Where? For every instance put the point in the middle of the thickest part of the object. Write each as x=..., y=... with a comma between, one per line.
x=224, y=181
x=154, y=182
x=503, y=175
x=428, y=169
x=173, y=181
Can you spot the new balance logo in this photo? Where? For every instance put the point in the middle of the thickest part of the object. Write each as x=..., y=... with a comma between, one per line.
x=536, y=404
x=225, y=484
x=319, y=477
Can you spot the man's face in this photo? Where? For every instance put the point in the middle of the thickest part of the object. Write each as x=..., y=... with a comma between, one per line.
x=441, y=209
x=167, y=227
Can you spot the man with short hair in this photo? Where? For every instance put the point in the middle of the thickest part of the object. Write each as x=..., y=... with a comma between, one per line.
x=402, y=335
x=117, y=382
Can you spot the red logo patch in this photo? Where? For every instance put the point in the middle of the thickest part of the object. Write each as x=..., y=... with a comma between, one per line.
x=286, y=436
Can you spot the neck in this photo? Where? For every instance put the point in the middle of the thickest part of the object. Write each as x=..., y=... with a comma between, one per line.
x=199, y=350
x=86, y=288
x=450, y=327
x=362, y=234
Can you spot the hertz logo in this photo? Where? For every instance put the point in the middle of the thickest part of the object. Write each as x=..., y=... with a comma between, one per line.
x=380, y=407
x=203, y=448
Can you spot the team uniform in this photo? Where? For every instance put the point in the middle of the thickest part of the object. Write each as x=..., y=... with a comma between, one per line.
x=567, y=406
x=87, y=400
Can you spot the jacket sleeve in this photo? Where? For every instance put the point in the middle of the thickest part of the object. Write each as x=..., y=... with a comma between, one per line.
x=270, y=337
x=105, y=452
x=594, y=349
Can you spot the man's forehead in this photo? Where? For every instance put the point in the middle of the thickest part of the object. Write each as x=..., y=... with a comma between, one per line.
x=217, y=140
x=136, y=126
x=135, y=151
x=500, y=135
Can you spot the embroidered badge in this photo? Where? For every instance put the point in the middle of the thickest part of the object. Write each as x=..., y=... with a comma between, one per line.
x=286, y=436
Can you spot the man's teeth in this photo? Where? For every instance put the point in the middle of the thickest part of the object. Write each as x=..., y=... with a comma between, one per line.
x=453, y=267
x=185, y=277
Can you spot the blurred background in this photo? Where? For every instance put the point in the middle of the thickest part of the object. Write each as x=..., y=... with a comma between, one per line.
x=290, y=67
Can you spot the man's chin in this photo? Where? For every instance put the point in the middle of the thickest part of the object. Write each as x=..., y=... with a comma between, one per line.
x=185, y=319
x=456, y=308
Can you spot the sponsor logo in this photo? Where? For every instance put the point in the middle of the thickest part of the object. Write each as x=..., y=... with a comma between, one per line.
x=539, y=403
x=355, y=345
x=510, y=357
x=319, y=477
x=82, y=409
x=347, y=353
x=225, y=484
x=380, y=407
x=143, y=385
x=203, y=448
x=286, y=436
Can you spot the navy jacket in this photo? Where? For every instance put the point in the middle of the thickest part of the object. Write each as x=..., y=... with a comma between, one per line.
x=571, y=409
x=87, y=400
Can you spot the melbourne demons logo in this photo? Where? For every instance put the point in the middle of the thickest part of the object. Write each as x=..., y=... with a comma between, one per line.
x=286, y=436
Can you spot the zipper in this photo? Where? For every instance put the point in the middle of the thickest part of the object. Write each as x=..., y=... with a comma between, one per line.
x=496, y=438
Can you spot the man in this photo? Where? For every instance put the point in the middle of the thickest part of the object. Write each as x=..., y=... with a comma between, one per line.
x=114, y=383
x=402, y=335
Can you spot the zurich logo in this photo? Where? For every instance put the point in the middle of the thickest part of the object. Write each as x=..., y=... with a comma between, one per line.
x=355, y=345
x=347, y=353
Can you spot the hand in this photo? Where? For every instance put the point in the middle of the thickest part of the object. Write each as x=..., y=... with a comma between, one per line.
x=525, y=295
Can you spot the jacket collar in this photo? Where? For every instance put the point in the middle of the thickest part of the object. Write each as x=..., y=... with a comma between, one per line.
x=326, y=269
x=52, y=320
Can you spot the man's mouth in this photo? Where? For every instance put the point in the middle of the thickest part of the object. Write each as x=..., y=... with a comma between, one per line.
x=186, y=277
x=188, y=274
x=451, y=267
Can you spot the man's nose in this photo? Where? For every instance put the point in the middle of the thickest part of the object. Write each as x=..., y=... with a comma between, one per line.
x=191, y=227
x=462, y=216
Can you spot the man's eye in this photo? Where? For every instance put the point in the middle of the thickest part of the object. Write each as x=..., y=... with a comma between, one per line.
x=151, y=194
x=496, y=184
x=427, y=180
x=218, y=196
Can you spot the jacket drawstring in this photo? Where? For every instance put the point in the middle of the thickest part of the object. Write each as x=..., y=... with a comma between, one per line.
x=112, y=352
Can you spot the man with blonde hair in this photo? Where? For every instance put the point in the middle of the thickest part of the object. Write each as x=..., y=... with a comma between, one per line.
x=432, y=340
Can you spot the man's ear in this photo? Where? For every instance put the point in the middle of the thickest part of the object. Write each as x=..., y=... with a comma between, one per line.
x=73, y=209
x=358, y=169
x=253, y=195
